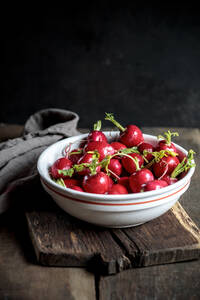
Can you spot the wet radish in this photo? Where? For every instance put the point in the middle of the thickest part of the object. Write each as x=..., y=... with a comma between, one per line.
x=181, y=169
x=132, y=162
x=118, y=189
x=125, y=182
x=103, y=149
x=166, y=143
x=130, y=136
x=155, y=185
x=118, y=146
x=169, y=180
x=85, y=160
x=71, y=182
x=76, y=188
x=62, y=163
x=146, y=147
x=165, y=166
x=110, y=183
x=97, y=184
x=75, y=155
x=139, y=178
x=115, y=168
x=97, y=135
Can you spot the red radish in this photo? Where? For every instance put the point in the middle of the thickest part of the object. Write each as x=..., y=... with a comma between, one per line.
x=125, y=182
x=130, y=165
x=169, y=179
x=165, y=166
x=165, y=143
x=87, y=158
x=97, y=135
x=83, y=143
x=181, y=155
x=147, y=147
x=110, y=183
x=97, y=184
x=118, y=146
x=182, y=175
x=76, y=188
x=75, y=155
x=117, y=189
x=103, y=148
x=71, y=182
x=139, y=178
x=62, y=163
x=154, y=185
x=163, y=146
x=130, y=136
x=115, y=167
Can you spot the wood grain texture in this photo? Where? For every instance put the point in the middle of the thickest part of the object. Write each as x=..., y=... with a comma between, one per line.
x=178, y=281
x=171, y=238
x=21, y=278
x=61, y=240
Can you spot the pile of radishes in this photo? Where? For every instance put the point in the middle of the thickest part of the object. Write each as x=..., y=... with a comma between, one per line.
x=128, y=165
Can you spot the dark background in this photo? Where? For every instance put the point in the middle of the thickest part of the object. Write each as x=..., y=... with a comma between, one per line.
x=142, y=63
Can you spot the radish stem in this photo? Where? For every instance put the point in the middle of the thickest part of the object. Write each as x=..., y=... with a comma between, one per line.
x=110, y=117
x=97, y=125
x=168, y=136
x=186, y=164
x=158, y=155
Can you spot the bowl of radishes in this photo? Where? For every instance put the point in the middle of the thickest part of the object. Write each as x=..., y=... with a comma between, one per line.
x=117, y=178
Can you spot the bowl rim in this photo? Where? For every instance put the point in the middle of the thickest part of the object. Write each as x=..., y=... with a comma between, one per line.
x=104, y=197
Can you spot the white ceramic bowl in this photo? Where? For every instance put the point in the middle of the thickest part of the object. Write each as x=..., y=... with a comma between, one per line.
x=109, y=210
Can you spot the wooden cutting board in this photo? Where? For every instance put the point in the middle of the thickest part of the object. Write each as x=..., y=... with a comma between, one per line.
x=61, y=240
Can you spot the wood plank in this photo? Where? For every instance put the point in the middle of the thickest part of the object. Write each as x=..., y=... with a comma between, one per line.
x=170, y=238
x=61, y=240
x=21, y=278
x=178, y=281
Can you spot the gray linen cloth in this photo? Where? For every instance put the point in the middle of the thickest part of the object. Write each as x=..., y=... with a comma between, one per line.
x=18, y=157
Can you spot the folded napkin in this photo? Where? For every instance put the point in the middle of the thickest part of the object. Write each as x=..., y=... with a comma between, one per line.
x=18, y=157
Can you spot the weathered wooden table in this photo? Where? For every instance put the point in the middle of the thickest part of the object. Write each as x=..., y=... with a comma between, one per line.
x=22, y=278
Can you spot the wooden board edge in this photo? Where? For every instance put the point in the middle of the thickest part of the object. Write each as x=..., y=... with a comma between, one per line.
x=170, y=256
x=36, y=246
x=180, y=214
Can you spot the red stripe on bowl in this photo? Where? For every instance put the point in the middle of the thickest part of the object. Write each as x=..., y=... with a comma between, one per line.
x=112, y=204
